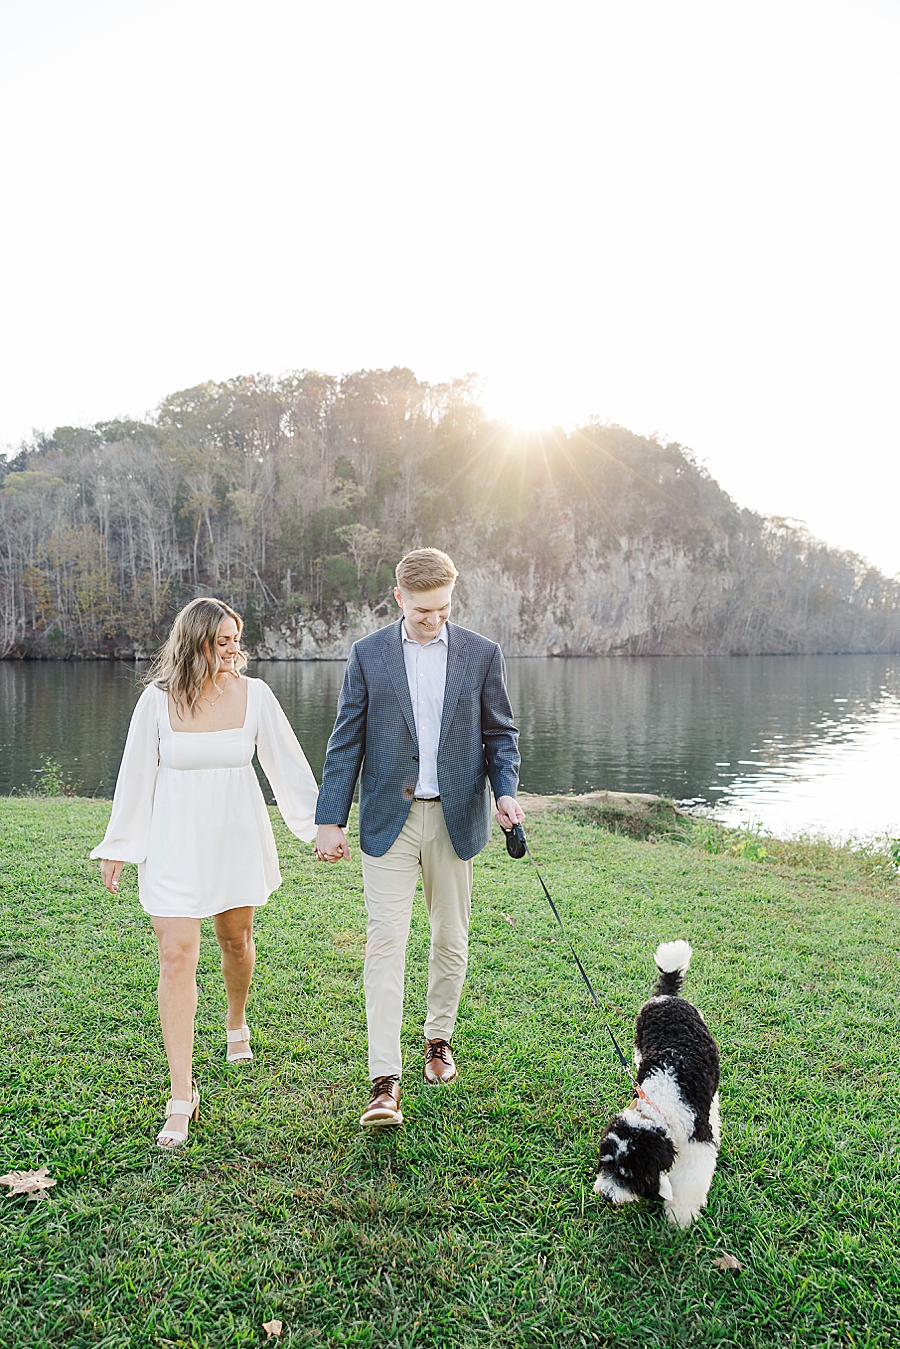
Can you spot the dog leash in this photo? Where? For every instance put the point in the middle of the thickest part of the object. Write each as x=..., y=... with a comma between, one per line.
x=517, y=847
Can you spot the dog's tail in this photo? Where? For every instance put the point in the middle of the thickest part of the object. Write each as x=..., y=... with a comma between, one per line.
x=672, y=959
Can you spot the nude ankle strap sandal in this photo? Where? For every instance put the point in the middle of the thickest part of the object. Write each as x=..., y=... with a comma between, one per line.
x=234, y=1037
x=167, y=1139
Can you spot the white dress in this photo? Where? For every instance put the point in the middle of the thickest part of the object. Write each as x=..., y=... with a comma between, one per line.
x=188, y=807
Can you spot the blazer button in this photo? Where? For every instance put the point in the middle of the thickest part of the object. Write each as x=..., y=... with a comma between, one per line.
x=415, y=758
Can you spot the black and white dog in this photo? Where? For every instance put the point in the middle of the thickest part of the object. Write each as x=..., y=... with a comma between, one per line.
x=666, y=1142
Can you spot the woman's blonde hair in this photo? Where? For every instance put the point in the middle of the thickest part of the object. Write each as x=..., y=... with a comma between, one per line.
x=189, y=656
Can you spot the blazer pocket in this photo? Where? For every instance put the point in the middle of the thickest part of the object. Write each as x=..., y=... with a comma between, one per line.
x=369, y=782
x=480, y=784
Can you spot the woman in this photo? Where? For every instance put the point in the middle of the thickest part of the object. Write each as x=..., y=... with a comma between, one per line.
x=189, y=811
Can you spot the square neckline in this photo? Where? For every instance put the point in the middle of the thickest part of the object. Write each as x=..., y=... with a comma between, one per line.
x=223, y=730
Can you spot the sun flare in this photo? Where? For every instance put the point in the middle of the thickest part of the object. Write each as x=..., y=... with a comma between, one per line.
x=529, y=407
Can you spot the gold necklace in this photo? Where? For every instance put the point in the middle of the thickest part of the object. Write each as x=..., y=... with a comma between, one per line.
x=212, y=701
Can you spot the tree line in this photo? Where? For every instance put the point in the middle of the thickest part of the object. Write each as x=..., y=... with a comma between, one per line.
x=293, y=497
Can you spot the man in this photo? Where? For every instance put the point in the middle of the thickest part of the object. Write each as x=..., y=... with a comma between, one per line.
x=424, y=713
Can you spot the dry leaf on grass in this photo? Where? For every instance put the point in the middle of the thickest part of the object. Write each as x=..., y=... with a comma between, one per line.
x=727, y=1262
x=509, y=918
x=33, y=1183
x=272, y=1329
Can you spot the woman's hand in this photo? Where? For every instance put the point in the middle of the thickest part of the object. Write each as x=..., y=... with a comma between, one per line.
x=110, y=873
x=331, y=843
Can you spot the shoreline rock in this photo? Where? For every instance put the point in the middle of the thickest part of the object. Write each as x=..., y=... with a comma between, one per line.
x=639, y=815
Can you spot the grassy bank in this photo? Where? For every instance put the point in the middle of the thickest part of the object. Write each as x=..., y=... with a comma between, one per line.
x=475, y=1224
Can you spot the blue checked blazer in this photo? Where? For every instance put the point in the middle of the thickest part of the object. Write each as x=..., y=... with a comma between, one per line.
x=375, y=731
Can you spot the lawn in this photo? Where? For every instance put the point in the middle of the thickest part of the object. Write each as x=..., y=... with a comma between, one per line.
x=475, y=1224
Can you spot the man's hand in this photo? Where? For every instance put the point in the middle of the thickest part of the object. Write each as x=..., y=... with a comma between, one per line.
x=110, y=873
x=508, y=813
x=331, y=843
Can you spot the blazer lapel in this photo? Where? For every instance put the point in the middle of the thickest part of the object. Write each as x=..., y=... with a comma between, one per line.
x=457, y=664
x=393, y=659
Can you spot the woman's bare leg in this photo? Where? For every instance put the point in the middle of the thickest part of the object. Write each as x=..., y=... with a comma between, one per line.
x=179, y=949
x=234, y=933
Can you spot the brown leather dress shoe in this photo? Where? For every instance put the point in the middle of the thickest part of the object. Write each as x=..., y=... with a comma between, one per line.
x=384, y=1103
x=439, y=1065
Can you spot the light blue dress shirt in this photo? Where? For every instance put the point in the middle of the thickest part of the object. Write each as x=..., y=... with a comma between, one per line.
x=426, y=674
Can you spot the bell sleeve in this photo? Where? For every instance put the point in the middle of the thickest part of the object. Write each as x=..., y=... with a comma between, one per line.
x=284, y=764
x=128, y=831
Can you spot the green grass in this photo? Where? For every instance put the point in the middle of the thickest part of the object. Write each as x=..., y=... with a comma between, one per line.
x=475, y=1224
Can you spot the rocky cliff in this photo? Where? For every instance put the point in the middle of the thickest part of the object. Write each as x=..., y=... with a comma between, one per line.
x=292, y=499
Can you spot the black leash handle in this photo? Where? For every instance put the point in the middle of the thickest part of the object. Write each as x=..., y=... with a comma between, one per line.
x=517, y=846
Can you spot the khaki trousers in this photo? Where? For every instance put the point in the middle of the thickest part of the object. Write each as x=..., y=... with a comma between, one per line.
x=390, y=884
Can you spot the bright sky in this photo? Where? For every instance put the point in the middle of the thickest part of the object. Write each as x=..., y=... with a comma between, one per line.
x=682, y=215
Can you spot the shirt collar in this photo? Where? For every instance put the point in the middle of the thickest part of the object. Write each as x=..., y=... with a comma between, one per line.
x=441, y=637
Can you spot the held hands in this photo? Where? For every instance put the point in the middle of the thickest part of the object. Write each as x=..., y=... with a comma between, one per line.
x=110, y=873
x=508, y=812
x=331, y=843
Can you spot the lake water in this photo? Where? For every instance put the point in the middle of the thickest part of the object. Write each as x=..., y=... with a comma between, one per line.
x=790, y=742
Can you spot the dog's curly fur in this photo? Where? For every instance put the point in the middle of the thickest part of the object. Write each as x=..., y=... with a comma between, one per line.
x=668, y=1144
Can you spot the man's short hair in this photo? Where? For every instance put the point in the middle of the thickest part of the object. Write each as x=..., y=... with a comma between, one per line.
x=425, y=569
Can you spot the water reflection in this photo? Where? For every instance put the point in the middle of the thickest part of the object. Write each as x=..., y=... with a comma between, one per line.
x=791, y=741
x=78, y=713
x=686, y=726
x=843, y=785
